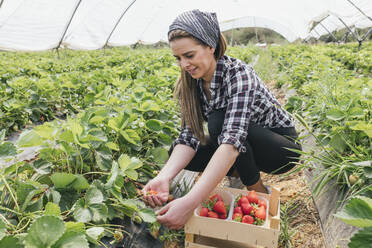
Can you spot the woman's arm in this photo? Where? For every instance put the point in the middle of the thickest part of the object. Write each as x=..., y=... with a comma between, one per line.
x=180, y=157
x=220, y=163
x=175, y=214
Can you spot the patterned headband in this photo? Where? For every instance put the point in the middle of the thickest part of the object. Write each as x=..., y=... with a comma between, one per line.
x=202, y=25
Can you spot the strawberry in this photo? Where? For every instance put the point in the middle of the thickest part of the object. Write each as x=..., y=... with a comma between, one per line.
x=219, y=207
x=238, y=210
x=222, y=216
x=247, y=208
x=260, y=213
x=252, y=197
x=204, y=212
x=242, y=200
x=237, y=217
x=216, y=196
x=247, y=219
x=262, y=203
x=212, y=214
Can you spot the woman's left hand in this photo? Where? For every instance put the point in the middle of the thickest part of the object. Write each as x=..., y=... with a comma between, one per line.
x=175, y=214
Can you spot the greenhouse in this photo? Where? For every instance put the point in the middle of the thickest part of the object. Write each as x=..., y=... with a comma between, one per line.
x=172, y=123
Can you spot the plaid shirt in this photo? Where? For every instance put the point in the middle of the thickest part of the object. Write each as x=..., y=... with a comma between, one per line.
x=236, y=87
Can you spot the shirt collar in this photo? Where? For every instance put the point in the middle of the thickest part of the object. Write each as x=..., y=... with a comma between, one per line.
x=217, y=78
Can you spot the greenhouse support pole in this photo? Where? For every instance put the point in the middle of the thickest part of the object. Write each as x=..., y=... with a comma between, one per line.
x=328, y=31
x=355, y=35
x=366, y=35
x=117, y=23
x=1, y=3
x=359, y=10
x=68, y=25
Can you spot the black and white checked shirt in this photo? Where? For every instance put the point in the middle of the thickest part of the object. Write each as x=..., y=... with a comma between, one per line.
x=236, y=87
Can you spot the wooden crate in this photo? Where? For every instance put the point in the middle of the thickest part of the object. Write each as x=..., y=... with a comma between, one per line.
x=202, y=232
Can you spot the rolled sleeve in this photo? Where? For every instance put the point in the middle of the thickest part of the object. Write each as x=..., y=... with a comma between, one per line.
x=238, y=112
x=186, y=138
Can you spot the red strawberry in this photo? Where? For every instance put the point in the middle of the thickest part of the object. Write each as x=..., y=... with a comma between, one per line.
x=260, y=213
x=212, y=214
x=204, y=212
x=252, y=197
x=237, y=217
x=222, y=216
x=262, y=203
x=219, y=207
x=238, y=210
x=247, y=219
x=247, y=208
x=242, y=200
x=216, y=196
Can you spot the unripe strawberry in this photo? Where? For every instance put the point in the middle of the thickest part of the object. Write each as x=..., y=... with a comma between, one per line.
x=237, y=217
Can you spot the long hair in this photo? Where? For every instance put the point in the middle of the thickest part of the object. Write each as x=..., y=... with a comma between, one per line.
x=186, y=88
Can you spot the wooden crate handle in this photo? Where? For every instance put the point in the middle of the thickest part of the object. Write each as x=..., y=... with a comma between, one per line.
x=274, y=201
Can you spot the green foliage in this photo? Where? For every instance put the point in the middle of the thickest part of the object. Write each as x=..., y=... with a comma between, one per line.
x=358, y=212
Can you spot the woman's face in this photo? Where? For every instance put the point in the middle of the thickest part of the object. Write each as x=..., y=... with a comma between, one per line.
x=196, y=59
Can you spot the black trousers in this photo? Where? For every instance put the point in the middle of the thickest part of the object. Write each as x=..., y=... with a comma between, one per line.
x=266, y=150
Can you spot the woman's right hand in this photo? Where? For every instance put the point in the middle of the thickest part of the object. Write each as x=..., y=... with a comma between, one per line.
x=160, y=185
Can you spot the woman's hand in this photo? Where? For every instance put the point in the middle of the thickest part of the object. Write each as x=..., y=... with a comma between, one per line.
x=175, y=214
x=159, y=184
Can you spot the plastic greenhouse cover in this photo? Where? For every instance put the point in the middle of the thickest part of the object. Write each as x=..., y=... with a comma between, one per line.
x=352, y=17
x=40, y=24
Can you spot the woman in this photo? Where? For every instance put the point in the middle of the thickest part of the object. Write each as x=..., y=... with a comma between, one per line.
x=248, y=130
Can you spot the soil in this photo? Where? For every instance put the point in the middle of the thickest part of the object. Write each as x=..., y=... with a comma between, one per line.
x=294, y=191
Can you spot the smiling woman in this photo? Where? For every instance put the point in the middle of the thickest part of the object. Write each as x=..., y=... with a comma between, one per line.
x=245, y=121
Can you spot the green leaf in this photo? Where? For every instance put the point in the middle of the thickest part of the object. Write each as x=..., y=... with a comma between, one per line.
x=44, y=232
x=335, y=114
x=124, y=161
x=7, y=149
x=154, y=125
x=357, y=212
x=52, y=209
x=132, y=174
x=135, y=163
x=29, y=138
x=67, y=136
x=93, y=196
x=10, y=242
x=365, y=127
x=2, y=135
x=80, y=183
x=338, y=143
x=363, y=238
x=62, y=180
x=95, y=233
x=77, y=227
x=148, y=215
x=112, y=146
x=72, y=240
x=131, y=136
x=160, y=155
x=165, y=139
x=2, y=229
x=103, y=158
x=97, y=119
x=113, y=176
x=99, y=212
x=75, y=126
x=81, y=212
x=47, y=131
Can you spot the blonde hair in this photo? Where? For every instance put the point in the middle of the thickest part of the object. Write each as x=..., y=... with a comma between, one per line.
x=186, y=88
